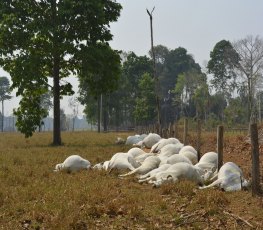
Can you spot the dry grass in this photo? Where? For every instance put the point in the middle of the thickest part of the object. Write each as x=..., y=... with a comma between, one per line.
x=32, y=196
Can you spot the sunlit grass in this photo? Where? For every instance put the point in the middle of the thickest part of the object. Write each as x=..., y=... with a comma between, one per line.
x=32, y=196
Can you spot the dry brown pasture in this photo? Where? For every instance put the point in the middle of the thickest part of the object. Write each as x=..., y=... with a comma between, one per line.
x=32, y=196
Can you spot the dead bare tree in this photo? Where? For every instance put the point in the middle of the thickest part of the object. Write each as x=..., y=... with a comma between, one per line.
x=155, y=74
x=250, y=50
x=74, y=104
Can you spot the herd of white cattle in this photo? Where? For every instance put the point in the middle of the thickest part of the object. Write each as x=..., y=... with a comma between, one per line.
x=168, y=161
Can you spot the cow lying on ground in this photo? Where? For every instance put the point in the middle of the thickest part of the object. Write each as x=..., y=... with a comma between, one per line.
x=72, y=164
x=161, y=168
x=170, y=149
x=175, y=173
x=163, y=142
x=148, y=164
x=208, y=162
x=229, y=178
x=150, y=140
x=189, y=152
x=122, y=161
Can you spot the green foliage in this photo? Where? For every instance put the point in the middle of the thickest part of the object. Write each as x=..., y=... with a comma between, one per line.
x=236, y=112
x=30, y=113
x=217, y=104
x=191, y=93
x=133, y=68
x=145, y=102
x=4, y=89
x=100, y=69
x=45, y=100
x=41, y=39
x=223, y=61
x=201, y=100
x=177, y=62
x=212, y=121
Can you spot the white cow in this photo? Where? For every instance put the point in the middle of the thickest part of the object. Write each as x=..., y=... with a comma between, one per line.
x=119, y=141
x=175, y=173
x=135, y=152
x=176, y=158
x=162, y=142
x=190, y=155
x=209, y=157
x=149, y=164
x=140, y=143
x=141, y=158
x=208, y=162
x=102, y=165
x=229, y=178
x=150, y=140
x=73, y=163
x=188, y=148
x=133, y=139
x=122, y=161
x=170, y=149
x=144, y=177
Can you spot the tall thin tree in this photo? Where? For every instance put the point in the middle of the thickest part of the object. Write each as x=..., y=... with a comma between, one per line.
x=154, y=71
x=4, y=95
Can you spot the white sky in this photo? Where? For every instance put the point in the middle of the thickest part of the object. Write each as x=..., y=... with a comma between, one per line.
x=196, y=25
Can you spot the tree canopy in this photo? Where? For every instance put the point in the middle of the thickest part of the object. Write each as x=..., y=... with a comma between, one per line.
x=223, y=62
x=42, y=39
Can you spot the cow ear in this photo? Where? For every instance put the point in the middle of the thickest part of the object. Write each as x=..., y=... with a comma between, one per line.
x=214, y=169
x=169, y=177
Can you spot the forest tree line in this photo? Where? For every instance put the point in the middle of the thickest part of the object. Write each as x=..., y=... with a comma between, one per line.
x=226, y=91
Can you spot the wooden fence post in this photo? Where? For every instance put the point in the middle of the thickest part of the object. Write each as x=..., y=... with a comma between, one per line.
x=185, y=141
x=163, y=133
x=170, y=130
x=198, y=141
x=175, y=130
x=255, y=160
x=220, y=145
x=156, y=128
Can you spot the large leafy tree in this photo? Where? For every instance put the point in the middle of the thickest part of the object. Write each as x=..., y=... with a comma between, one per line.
x=185, y=91
x=133, y=68
x=160, y=53
x=99, y=74
x=177, y=61
x=51, y=38
x=4, y=95
x=222, y=64
x=145, y=102
x=30, y=112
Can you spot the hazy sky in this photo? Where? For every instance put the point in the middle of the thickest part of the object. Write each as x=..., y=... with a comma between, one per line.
x=196, y=25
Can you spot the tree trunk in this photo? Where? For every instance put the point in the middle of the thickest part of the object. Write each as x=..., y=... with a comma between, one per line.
x=2, y=116
x=105, y=117
x=56, y=86
x=56, y=92
x=73, y=125
x=99, y=107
